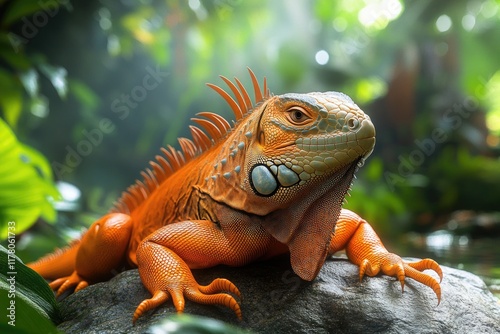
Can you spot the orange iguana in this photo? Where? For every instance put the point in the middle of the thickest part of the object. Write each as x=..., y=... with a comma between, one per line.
x=273, y=183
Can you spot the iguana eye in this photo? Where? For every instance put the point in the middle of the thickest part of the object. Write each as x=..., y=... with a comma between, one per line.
x=297, y=115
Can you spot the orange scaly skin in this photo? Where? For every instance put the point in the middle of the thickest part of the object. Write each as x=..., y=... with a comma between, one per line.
x=273, y=183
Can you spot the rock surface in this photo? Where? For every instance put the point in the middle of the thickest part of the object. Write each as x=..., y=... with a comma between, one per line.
x=275, y=300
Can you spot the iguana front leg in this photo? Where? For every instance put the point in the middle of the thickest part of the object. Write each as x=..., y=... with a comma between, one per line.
x=165, y=257
x=364, y=248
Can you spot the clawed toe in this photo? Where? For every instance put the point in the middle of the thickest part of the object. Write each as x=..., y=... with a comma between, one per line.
x=159, y=298
x=392, y=265
x=63, y=284
x=414, y=270
x=223, y=299
x=214, y=293
x=219, y=285
x=427, y=264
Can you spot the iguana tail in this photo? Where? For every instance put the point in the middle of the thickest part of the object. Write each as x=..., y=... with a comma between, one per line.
x=60, y=263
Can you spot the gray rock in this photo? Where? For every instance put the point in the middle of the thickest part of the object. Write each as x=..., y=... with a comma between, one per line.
x=275, y=300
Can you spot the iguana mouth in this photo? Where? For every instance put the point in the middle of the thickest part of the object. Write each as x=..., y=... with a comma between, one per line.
x=285, y=145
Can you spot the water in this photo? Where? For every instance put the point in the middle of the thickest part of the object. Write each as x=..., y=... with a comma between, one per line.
x=478, y=256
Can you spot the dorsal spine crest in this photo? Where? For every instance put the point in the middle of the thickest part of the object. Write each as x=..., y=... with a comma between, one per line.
x=216, y=129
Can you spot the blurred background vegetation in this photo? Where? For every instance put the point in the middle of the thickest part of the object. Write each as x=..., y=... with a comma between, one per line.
x=89, y=91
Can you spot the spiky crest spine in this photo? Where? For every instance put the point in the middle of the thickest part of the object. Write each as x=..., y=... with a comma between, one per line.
x=215, y=129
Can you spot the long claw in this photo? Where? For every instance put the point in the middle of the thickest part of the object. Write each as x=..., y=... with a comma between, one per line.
x=159, y=298
x=219, y=298
x=218, y=285
x=425, y=279
x=427, y=264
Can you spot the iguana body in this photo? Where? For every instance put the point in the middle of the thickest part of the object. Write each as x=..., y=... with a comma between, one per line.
x=273, y=183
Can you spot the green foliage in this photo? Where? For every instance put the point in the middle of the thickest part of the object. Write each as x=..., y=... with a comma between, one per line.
x=20, y=79
x=11, y=98
x=15, y=85
x=492, y=98
x=467, y=178
x=367, y=90
x=26, y=186
x=19, y=9
x=371, y=198
x=27, y=189
x=451, y=179
x=30, y=299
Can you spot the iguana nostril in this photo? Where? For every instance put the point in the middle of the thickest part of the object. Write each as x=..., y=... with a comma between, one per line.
x=353, y=124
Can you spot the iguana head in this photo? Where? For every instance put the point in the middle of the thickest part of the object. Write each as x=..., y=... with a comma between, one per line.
x=305, y=150
x=302, y=139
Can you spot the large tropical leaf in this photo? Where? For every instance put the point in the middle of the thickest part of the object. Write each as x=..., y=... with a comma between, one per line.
x=26, y=186
x=25, y=296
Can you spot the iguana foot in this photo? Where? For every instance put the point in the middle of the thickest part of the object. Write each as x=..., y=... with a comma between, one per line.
x=166, y=275
x=63, y=284
x=392, y=265
x=364, y=248
x=209, y=294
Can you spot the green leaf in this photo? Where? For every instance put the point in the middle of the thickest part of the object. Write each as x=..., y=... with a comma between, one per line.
x=25, y=183
x=12, y=104
x=18, y=10
x=25, y=294
x=11, y=99
x=40, y=163
x=37, y=160
x=11, y=55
